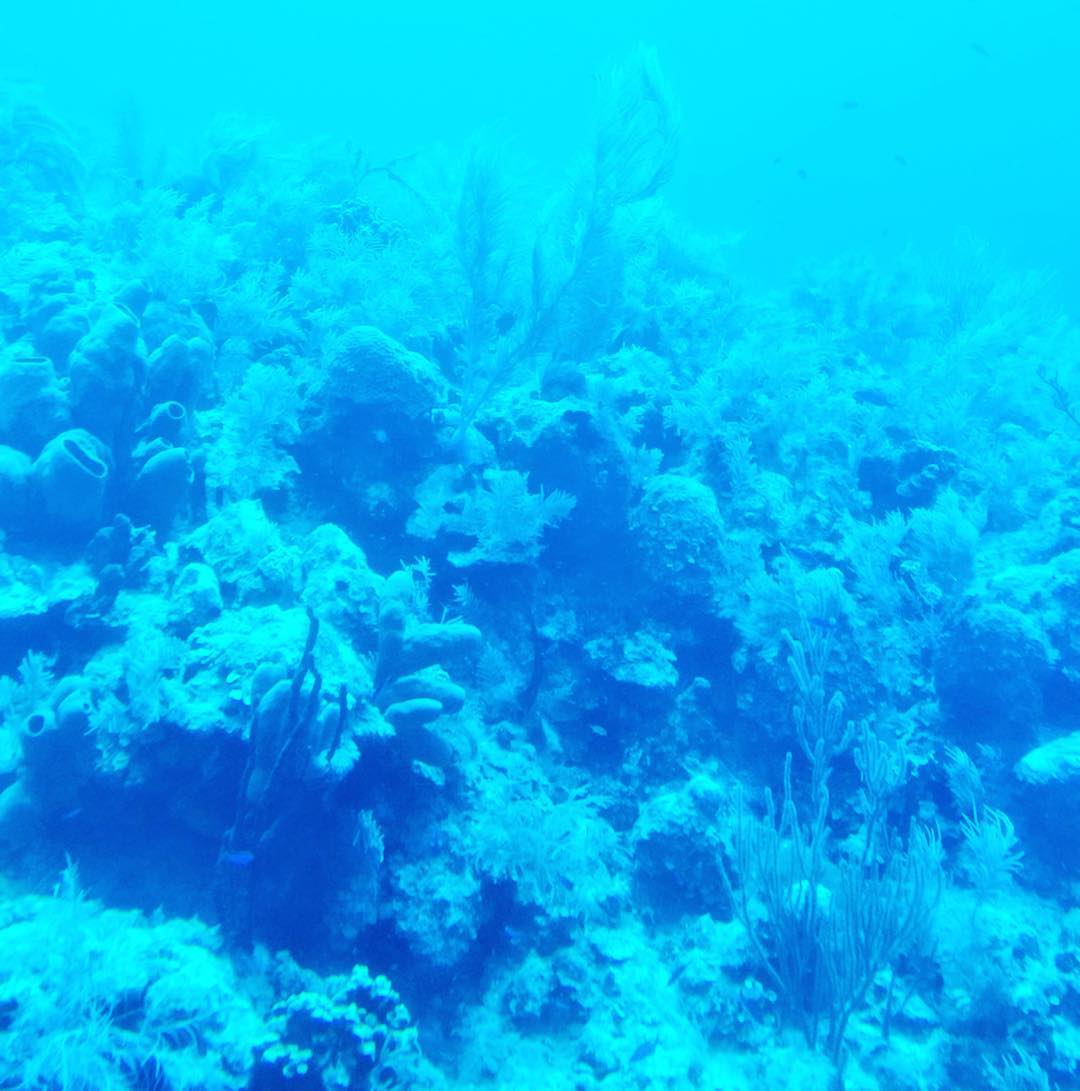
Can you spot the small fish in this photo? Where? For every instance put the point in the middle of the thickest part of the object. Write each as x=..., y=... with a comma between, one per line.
x=238, y=858
x=678, y=972
x=645, y=1050
x=801, y=553
x=801, y=175
x=870, y=396
x=981, y=50
x=899, y=160
x=821, y=623
x=849, y=104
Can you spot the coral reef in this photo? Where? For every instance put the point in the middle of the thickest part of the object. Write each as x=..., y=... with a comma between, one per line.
x=472, y=641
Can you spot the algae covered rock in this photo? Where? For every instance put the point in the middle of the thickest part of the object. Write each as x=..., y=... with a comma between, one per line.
x=678, y=841
x=368, y=416
x=33, y=589
x=196, y=594
x=680, y=532
x=247, y=552
x=368, y=368
x=339, y=585
x=642, y=658
x=994, y=662
x=1012, y=642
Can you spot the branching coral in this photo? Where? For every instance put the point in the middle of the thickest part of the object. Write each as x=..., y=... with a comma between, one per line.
x=832, y=925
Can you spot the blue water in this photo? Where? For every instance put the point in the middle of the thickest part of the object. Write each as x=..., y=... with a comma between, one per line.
x=539, y=549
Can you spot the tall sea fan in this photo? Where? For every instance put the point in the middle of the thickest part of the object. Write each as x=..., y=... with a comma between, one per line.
x=577, y=260
x=581, y=247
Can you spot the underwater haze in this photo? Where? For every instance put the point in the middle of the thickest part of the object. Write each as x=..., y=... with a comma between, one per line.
x=540, y=547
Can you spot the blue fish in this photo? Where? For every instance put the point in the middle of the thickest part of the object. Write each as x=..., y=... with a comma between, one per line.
x=645, y=1050
x=238, y=858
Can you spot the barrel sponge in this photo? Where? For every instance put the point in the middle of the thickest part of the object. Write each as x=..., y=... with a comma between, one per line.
x=106, y=370
x=15, y=472
x=180, y=370
x=161, y=488
x=61, y=330
x=166, y=421
x=70, y=478
x=33, y=404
